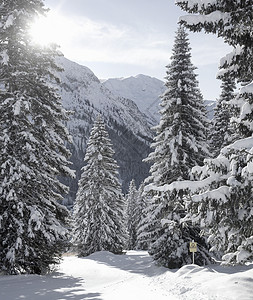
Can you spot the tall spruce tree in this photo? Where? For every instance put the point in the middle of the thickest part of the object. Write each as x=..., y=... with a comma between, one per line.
x=141, y=218
x=131, y=216
x=99, y=207
x=222, y=131
x=223, y=205
x=32, y=151
x=179, y=145
x=135, y=213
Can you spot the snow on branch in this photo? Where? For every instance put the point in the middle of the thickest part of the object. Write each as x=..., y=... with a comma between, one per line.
x=193, y=186
x=246, y=143
x=200, y=3
x=213, y=17
x=229, y=60
x=220, y=193
x=247, y=89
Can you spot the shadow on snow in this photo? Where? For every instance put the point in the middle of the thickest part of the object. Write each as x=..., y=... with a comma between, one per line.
x=51, y=287
x=133, y=261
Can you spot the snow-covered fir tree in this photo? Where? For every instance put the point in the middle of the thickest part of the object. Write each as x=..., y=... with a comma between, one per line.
x=222, y=131
x=131, y=216
x=136, y=204
x=32, y=150
x=99, y=207
x=179, y=145
x=141, y=217
x=223, y=204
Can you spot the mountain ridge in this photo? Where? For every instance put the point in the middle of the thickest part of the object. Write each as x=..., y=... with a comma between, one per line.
x=83, y=94
x=129, y=107
x=144, y=90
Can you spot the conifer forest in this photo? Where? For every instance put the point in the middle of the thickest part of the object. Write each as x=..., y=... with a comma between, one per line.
x=100, y=175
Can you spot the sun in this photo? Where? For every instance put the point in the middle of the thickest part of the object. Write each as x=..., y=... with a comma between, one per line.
x=52, y=28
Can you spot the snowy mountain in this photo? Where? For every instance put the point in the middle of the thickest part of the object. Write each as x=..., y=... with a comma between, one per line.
x=129, y=106
x=143, y=90
x=84, y=95
x=210, y=106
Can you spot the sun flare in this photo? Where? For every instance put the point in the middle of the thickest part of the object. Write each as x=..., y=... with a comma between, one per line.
x=50, y=29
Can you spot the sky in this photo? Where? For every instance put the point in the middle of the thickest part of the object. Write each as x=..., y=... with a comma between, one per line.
x=122, y=38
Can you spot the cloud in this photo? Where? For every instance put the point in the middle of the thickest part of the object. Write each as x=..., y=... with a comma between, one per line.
x=121, y=38
x=100, y=41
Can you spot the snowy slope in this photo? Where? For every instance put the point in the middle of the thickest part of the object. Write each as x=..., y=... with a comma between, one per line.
x=81, y=88
x=129, y=130
x=210, y=106
x=134, y=276
x=129, y=107
x=143, y=90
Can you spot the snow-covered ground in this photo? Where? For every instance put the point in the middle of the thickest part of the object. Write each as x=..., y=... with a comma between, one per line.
x=134, y=276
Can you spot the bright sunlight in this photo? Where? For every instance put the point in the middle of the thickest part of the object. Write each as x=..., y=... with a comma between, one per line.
x=50, y=29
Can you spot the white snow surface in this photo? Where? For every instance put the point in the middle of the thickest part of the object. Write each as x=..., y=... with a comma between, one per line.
x=83, y=93
x=134, y=276
x=144, y=90
x=213, y=17
x=247, y=89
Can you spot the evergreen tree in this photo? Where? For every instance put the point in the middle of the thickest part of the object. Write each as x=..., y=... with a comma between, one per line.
x=225, y=197
x=135, y=214
x=131, y=215
x=179, y=145
x=233, y=16
x=99, y=207
x=222, y=131
x=32, y=151
x=141, y=218
x=221, y=202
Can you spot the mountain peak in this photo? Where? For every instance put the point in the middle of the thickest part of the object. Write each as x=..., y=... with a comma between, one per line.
x=144, y=90
x=86, y=96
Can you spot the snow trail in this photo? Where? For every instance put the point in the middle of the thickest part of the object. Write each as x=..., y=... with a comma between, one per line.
x=130, y=276
x=134, y=276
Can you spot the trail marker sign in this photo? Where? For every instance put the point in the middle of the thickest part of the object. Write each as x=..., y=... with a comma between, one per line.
x=193, y=249
x=193, y=246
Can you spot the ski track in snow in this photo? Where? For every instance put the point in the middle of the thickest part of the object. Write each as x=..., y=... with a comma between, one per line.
x=134, y=276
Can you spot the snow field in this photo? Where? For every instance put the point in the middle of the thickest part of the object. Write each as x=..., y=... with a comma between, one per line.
x=134, y=276
x=114, y=277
